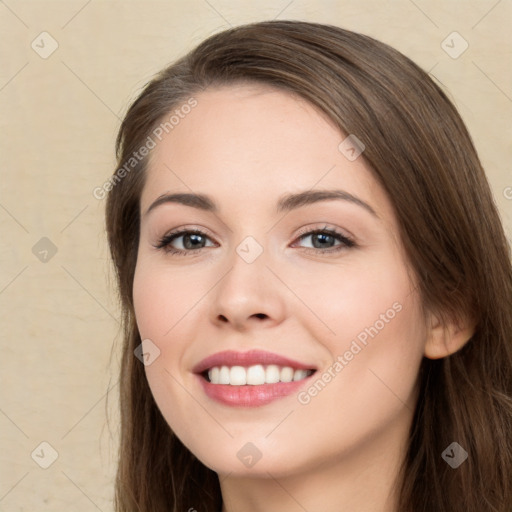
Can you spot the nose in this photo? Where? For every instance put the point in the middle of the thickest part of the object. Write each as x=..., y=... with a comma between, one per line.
x=248, y=296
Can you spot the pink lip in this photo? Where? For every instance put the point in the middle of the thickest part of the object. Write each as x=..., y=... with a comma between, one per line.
x=249, y=396
x=246, y=359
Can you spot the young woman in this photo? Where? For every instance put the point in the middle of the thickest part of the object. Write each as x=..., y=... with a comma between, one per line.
x=315, y=283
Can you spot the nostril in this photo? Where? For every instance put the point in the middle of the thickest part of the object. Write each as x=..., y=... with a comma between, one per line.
x=260, y=315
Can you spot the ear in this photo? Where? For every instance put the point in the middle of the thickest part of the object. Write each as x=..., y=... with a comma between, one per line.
x=447, y=337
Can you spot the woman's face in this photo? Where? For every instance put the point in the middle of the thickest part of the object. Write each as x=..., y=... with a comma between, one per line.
x=295, y=272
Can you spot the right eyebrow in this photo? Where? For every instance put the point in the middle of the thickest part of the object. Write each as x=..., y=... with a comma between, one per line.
x=195, y=200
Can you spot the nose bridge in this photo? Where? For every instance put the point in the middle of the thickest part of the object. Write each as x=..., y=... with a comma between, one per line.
x=246, y=292
x=246, y=282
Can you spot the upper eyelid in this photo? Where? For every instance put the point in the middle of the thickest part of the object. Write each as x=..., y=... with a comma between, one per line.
x=337, y=231
x=203, y=231
x=189, y=229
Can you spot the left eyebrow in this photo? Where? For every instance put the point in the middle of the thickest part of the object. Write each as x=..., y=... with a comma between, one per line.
x=292, y=201
x=286, y=203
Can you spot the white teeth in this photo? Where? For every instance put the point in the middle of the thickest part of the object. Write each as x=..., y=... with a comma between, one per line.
x=237, y=376
x=213, y=374
x=286, y=374
x=224, y=375
x=300, y=374
x=272, y=374
x=255, y=375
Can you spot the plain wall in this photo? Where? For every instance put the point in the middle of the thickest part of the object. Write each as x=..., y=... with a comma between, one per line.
x=59, y=117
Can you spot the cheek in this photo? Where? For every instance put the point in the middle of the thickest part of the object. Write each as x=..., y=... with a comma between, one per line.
x=167, y=305
x=344, y=300
x=161, y=298
x=373, y=327
x=371, y=381
x=381, y=348
x=161, y=302
x=147, y=300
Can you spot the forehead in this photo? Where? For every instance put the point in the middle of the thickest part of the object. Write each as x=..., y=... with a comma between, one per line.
x=250, y=144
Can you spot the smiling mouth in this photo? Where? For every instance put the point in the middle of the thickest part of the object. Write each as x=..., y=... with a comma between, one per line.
x=255, y=375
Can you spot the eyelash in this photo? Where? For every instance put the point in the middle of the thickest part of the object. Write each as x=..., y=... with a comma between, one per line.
x=165, y=242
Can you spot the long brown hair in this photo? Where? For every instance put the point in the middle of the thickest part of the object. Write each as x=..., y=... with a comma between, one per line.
x=422, y=154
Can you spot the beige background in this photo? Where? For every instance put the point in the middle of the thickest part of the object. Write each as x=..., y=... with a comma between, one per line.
x=59, y=117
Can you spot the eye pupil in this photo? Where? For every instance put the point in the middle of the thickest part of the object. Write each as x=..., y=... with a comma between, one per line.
x=323, y=240
x=192, y=241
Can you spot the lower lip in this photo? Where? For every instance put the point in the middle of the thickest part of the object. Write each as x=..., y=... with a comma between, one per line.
x=250, y=396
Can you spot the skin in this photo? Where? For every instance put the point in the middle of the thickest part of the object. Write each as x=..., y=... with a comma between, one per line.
x=246, y=146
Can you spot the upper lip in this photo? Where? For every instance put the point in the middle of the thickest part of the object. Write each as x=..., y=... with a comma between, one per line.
x=250, y=358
